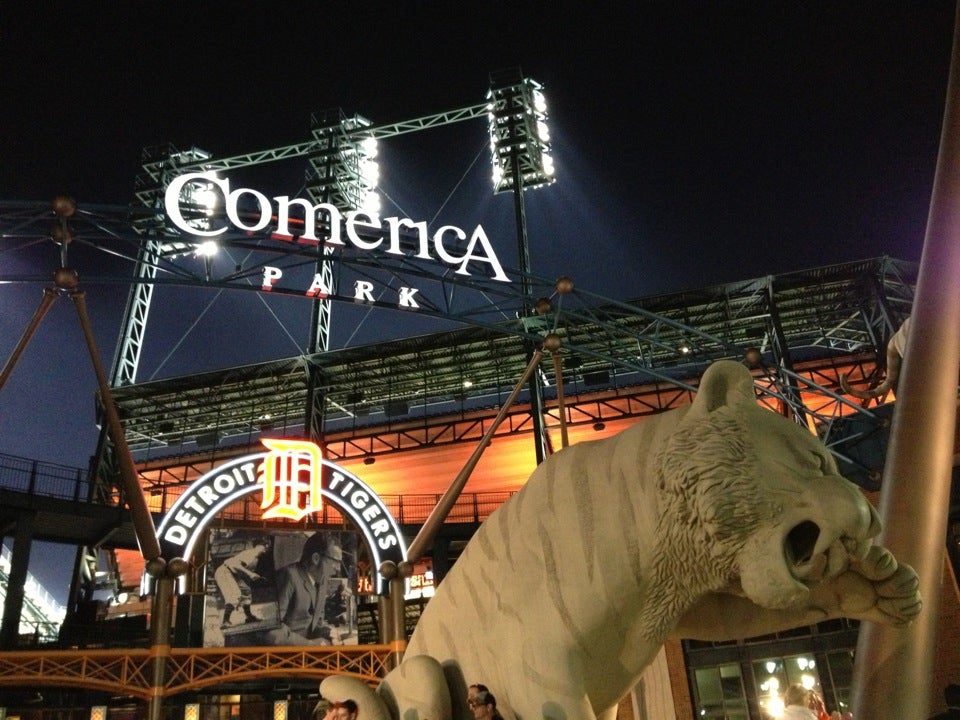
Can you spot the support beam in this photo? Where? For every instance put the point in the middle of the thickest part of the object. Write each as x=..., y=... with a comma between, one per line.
x=13, y=603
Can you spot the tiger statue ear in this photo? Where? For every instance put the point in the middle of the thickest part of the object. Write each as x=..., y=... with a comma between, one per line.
x=725, y=383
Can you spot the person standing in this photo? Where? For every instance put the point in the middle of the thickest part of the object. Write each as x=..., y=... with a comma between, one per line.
x=233, y=574
x=474, y=689
x=342, y=710
x=818, y=706
x=797, y=701
x=484, y=706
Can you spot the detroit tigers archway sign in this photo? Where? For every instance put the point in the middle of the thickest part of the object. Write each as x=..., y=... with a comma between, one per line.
x=295, y=480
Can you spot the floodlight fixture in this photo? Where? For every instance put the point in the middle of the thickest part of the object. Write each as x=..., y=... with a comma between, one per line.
x=519, y=135
x=208, y=248
x=205, y=198
x=199, y=202
x=345, y=171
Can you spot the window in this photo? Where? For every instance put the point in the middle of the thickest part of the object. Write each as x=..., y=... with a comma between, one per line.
x=773, y=675
x=719, y=693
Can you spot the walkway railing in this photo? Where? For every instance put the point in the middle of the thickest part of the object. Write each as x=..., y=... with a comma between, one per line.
x=43, y=479
x=127, y=672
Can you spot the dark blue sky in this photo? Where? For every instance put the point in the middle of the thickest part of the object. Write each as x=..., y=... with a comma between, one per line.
x=696, y=143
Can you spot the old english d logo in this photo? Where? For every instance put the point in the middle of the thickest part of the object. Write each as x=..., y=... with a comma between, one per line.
x=291, y=474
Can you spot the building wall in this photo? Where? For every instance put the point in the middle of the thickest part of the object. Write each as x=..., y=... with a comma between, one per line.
x=947, y=658
x=682, y=702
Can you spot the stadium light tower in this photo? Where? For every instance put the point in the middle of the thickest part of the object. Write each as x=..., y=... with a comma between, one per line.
x=520, y=153
x=519, y=136
x=345, y=174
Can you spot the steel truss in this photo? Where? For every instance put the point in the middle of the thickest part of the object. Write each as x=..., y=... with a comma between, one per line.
x=840, y=314
x=333, y=133
x=826, y=312
x=130, y=671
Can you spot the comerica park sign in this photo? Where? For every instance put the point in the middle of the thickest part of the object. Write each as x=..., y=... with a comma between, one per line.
x=450, y=245
x=294, y=480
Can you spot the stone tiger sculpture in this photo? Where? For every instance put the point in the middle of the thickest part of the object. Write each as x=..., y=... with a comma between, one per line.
x=715, y=521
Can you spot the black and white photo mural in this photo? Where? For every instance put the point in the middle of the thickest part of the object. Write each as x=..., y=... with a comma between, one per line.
x=281, y=588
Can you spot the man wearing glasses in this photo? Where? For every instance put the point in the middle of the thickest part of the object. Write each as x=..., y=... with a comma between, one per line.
x=302, y=591
x=483, y=704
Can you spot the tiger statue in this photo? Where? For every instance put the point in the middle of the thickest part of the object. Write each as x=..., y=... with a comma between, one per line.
x=715, y=521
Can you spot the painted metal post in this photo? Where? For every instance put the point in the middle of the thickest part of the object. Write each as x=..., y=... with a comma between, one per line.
x=523, y=251
x=161, y=615
x=894, y=666
x=143, y=525
x=424, y=539
x=49, y=295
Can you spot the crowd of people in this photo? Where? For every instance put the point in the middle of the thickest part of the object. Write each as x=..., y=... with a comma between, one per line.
x=480, y=700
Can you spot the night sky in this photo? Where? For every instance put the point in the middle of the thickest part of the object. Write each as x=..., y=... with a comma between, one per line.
x=696, y=143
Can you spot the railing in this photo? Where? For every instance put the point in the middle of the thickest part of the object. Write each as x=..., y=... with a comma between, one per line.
x=42, y=479
x=406, y=509
x=129, y=672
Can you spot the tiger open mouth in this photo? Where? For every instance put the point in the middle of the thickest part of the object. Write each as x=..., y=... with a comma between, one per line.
x=801, y=542
x=812, y=557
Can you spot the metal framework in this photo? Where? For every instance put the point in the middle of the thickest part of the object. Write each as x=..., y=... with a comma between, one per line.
x=653, y=345
x=832, y=312
x=325, y=151
x=129, y=671
x=824, y=314
x=619, y=359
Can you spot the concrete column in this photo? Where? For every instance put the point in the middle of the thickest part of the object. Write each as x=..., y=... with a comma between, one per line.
x=19, y=561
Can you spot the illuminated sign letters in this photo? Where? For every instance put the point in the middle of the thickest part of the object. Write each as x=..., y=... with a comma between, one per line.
x=294, y=479
x=363, y=230
x=291, y=483
x=362, y=289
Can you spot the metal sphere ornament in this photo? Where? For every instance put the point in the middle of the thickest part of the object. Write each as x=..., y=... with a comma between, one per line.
x=388, y=570
x=61, y=234
x=552, y=342
x=177, y=567
x=564, y=285
x=64, y=205
x=66, y=278
x=155, y=567
x=543, y=306
x=752, y=357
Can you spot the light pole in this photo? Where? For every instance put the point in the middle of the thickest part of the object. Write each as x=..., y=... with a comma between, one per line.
x=520, y=154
